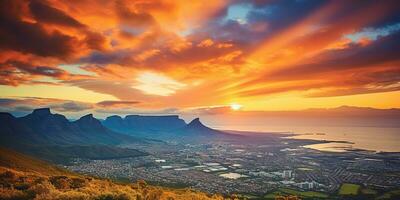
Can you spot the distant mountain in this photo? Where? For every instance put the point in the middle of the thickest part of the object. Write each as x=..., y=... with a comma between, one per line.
x=43, y=127
x=162, y=127
x=53, y=137
x=196, y=131
x=197, y=128
x=340, y=116
x=144, y=125
x=342, y=111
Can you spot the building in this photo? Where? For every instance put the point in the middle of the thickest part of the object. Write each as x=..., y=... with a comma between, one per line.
x=287, y=174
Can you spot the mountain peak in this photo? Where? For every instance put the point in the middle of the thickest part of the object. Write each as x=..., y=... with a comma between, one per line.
x=42, y=111
x=198, y=128
x=196, y=121
x=89, y=122
x=87, y=118
x=196, y=124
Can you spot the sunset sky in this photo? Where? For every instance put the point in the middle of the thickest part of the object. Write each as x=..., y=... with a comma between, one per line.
x=155, y=56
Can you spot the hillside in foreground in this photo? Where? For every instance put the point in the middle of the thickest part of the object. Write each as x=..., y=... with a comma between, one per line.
x=22, y=177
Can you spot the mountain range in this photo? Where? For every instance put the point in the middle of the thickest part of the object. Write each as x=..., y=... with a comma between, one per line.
x=43, y=127
x=53, y=137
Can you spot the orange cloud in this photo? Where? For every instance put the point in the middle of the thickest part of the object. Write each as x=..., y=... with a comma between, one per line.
x=196, y=53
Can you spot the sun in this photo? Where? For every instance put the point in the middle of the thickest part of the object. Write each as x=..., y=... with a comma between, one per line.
x=235, y=106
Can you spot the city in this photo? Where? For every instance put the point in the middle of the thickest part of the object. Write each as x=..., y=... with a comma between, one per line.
x=252, y=169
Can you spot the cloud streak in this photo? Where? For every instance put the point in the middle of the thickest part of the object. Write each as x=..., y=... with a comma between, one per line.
x=203, y=54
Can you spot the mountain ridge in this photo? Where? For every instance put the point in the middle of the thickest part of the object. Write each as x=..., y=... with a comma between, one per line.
x=53, y=137
x=143, y=125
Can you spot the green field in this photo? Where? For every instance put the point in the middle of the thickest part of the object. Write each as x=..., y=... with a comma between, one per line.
x=368, y=191
x=389, y=195
x=286, y=191
x=349, y=189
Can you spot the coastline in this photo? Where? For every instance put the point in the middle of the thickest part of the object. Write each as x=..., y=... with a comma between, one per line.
x=324, y=145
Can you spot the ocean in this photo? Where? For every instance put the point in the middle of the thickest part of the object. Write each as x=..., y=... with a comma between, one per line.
x=375, y=135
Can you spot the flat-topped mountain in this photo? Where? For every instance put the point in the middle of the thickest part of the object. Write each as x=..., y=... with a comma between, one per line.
x=136, y=124
x=169, y=127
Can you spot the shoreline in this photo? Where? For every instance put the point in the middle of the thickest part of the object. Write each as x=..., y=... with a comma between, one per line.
x=291, y=136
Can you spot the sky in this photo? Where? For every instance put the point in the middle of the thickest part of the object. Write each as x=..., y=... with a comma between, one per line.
x=159, y=56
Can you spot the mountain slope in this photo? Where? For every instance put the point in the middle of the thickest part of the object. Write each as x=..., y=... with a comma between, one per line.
x=196, y=131
x=64, y=154
x=52, y=137
x=43, y=127
x=198, y=128
x=22, y=177
x=17, y=161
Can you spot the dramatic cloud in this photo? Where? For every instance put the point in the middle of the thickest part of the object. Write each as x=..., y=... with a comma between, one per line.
x=157, y=54
x=47, y=14
x=117, y=103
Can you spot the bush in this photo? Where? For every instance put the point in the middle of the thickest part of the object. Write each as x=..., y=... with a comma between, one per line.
x=60, y=182
x=10, y=194
x=154, y=194
x=8, y=175
x=72, y=195
x=41, y=188
x=77, y=183
x=113, y=197
x=21, y=186
x=141, y=184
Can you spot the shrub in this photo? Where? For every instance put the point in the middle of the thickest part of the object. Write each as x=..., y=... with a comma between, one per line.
x=8, y=175
x=141, y=184
x=77, y=183
x=60, y=182
x=113, y=197
x=21, y=186
x=41, y=188
x=10, y=194
x=72, y=195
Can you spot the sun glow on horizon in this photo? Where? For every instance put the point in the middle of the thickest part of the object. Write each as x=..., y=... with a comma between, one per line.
x=235, y=106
